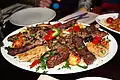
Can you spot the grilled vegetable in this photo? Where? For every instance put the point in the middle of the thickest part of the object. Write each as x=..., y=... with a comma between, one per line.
x=56, y=32
x=96, y=39
x=74, y=28
x=52, y=34
x=73, y=59
x=34, y=63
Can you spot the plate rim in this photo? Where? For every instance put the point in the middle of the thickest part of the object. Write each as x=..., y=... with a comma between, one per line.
x=28, y=9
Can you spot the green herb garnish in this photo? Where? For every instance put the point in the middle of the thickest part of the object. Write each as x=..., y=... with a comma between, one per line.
x=43, y=64
x=59, y=68
x=33, y=35
x=107, y=39
x=102, y=52
x=16, y=38
x=44, y=72
x=81, y=47
x=54, y=43
x=73, y=49
x=51, y=53
x=66, y=65
x=84, y=67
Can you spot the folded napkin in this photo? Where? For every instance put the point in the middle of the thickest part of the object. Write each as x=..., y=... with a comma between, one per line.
x=91, y=17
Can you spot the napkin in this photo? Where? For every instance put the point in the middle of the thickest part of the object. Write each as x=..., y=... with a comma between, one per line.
x=46, y=77
x=87, y=20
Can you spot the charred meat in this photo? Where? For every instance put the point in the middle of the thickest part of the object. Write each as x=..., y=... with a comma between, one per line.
x=56, y=59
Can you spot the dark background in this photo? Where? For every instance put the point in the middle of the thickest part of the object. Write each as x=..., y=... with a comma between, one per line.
x=6, y=3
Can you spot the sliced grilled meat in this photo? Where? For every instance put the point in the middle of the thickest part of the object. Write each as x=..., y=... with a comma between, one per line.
x=57, y=59
x=78, y=41
x=14, y=51
x=91, y=29
x=87, y=56
x=99, y=33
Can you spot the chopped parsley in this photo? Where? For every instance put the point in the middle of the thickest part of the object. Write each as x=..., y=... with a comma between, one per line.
x=44, y=72
x=81, y=47
x=16, y=38
x=43, y=64
x=33, y=35
x=52, y=52
x=66, y=65
x=84, y=67
x=107, y=39
x=73, y=49
x=102, y=52
x=54, y=43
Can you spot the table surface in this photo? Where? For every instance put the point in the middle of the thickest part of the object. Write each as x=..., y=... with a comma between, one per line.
x=109, y=70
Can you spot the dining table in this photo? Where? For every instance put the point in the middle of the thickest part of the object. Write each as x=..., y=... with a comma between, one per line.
x=8, y=71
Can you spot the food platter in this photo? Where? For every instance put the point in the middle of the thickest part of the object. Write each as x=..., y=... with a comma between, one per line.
x=74, y=69
x=101, y=20
x=32, y=16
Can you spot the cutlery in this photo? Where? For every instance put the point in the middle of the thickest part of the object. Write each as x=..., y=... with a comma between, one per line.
x=78, y=16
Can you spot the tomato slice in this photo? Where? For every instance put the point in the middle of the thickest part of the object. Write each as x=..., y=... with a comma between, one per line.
x=48, y=37
x=96, y=39
x=50, y=32
x=109, y=20
x=76, y=28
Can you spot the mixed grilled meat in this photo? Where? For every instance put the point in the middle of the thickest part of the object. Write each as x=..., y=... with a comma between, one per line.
x=60, y=39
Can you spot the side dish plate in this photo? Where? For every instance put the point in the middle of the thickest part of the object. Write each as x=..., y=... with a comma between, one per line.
x=32, y=16
x=101, y=20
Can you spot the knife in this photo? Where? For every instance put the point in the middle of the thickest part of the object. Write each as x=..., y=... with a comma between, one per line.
x=78, y=16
